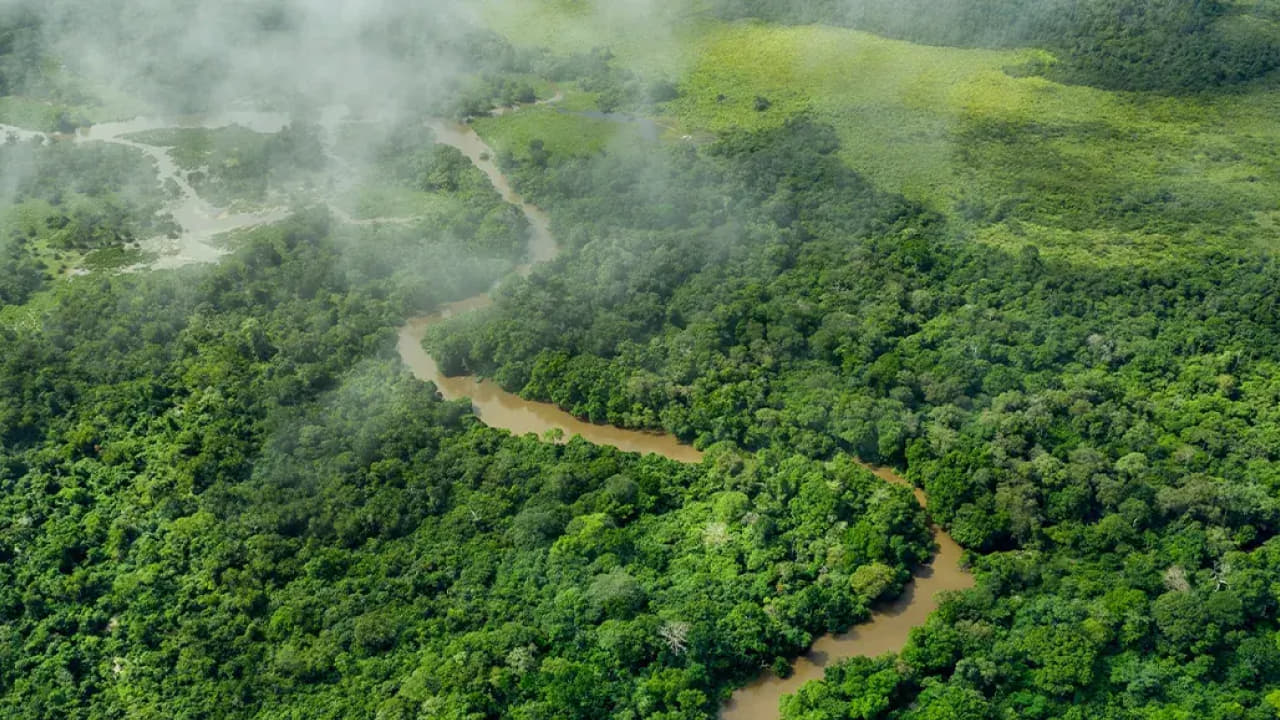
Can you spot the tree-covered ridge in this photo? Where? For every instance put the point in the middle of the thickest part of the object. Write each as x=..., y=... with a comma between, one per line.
x=223, y=497
x=1179, y=46
x=1101, y=433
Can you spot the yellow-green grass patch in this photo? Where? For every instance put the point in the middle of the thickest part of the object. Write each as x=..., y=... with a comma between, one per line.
x=1100, y=176
x=656, y=38
x=29, y=316
x=951, y=128
x=562, y=133
x=29, y=114
x=388, y=201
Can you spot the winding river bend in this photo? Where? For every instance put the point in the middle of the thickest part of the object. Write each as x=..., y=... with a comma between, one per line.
x=885, y=631
x=888, y=628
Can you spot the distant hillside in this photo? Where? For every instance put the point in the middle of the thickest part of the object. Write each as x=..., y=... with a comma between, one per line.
x=1171, y=45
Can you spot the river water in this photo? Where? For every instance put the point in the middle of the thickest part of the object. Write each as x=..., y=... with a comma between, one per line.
x=542, y=244
x=889, y=626
x=887, y=629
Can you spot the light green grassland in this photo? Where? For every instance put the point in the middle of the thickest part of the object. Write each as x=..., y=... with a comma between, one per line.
x=29, y=113
x=562, y=133
x=1098, y=175
x=1094, y=175
x=576, y=100
x=893, y=102
x=115, y=258
x=657, y=38
x=389, y=201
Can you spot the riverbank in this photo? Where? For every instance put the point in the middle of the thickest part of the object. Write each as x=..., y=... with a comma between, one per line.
x=888, y=628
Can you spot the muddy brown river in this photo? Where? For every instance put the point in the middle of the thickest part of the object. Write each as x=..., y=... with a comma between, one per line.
x=889, y=626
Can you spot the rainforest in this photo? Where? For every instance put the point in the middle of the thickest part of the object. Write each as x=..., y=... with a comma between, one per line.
x=663, y=359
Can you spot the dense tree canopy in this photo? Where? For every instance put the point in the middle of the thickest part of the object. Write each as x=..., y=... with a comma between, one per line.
x=1081, y=424
x=222, y=496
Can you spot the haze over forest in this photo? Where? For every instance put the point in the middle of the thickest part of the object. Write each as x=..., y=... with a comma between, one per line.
x=666, y=359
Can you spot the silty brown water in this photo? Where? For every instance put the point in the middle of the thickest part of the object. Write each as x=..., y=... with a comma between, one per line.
x=542, y=245
x=888, y=628
x=886, y=631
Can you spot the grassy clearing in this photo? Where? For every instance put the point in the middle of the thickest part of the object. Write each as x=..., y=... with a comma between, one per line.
x=656, y=38
x=1090, y=174
x=1099, y=176
x=562, y=133
x=29, y=316
x=194, y=148
x=116, y=258
x=576, y=100
x=29, y=114
x=896, y=104
x=387, y=201
x=31, y=220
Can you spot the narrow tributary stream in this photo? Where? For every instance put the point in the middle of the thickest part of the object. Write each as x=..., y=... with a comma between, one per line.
x=200, y=221
x=888, y=627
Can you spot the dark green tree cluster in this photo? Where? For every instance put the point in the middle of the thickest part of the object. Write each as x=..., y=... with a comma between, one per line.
x=21, y=49
x=54, y=172
x=480, y=219
x=220, y=495
x=21, y=274
x=494, y=90
x=1139, y=626
x=1100, y=430
x=616, y=87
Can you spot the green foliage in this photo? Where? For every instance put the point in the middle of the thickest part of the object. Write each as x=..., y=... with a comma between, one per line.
x=1186, y=45
x=1085, y=174
x=224, y=498
x=1087, y=428
x=21, y=274
x=21, y=54
x=235, y=163
x=66, y=200
x=872, y=581
x=219, y=496
x=561, y=133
